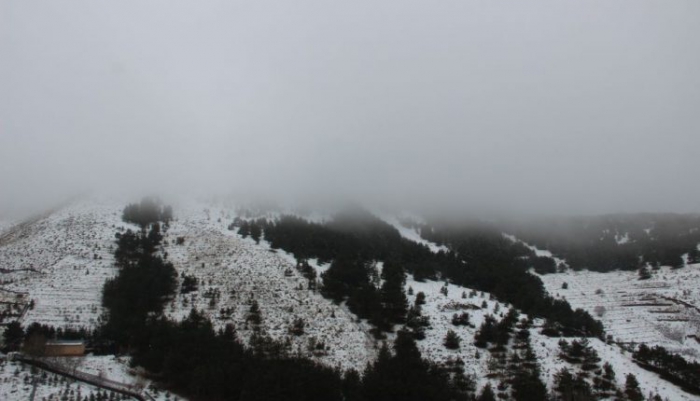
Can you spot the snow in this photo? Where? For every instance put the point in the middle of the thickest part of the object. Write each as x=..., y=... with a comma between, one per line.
x=66, y=280
x=622, y=239
x=410, y=233
x=16, y=383
x=636, y=310
x=117, y=369
x=440, y=309
x=241, y=270
x=61, y=260
x=547, y=349
x=537, y=251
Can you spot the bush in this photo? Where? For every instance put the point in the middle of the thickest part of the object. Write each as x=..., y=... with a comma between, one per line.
x=452, y=340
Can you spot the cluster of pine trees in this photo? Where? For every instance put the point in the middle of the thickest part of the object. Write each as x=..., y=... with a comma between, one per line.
x=144, y=281
x=526, y=380
x=569, y=386
x=574, y=386
x=147, y=212
x=405, y=375
x=596, y=242
x=479, y=257
x=511, y=360
x=495, y=333
x=193, y=359
x=671, y=367
x=356, y=281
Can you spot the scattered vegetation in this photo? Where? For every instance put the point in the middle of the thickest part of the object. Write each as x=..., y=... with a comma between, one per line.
x=195, y=360
x=671, y=367
x=352, y=242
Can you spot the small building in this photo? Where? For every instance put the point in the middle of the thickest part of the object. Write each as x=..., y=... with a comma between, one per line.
x=64, y=348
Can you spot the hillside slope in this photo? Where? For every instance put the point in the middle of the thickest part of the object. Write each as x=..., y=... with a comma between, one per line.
x=59, y=262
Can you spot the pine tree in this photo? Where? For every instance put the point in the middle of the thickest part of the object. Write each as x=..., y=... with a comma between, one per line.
x=406, y=376
x=644, y=273
x=570, y=387
x=394, y=300
x=13, y=335
x=352, y=386
x=461, y=319
x=487, y=394
x=244, y=230
x=452, y=340
x=694, y=256
x=632, y=390
x=343, y=277
x=487, y=332
x=254, y=315
x=606, y=385
x=528, y=386
x=255, y=231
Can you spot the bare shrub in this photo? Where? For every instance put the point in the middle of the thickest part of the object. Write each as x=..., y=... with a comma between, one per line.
x=599, y=310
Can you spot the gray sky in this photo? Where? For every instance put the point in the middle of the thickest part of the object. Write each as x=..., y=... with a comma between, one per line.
x=547, y=106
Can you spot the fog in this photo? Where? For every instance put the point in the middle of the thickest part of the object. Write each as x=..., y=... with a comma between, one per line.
x=538, y=107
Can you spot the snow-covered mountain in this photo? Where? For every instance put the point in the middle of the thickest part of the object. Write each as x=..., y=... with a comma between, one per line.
x=55, y=265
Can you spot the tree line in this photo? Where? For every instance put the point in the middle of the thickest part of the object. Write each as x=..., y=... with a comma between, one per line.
x=616, y=242
x=671, y=367
x=479, y=257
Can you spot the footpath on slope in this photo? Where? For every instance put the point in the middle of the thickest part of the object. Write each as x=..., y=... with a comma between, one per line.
x=97, y=381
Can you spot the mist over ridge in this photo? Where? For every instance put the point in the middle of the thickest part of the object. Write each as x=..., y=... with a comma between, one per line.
x=478, y=107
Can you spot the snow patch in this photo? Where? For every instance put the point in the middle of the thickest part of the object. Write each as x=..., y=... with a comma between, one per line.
x=410, y=233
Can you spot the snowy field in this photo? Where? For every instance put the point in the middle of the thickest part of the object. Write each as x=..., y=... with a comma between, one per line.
x=17, y=383
x=547, y=349
x=660, y=311
x=237, y=270
x=61, y=261
x=442, y=307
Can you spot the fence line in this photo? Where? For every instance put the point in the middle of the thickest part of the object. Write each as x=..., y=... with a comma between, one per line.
x=97, y=381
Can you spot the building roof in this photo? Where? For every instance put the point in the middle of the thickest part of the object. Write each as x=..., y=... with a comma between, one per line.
x=65, y=342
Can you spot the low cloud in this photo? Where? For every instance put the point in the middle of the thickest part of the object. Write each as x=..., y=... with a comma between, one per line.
x=548, y=108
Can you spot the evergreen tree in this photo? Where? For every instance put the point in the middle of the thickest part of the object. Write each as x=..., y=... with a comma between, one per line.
x=632, y=390
x=606, y=385
x=13, y=336
x=255, y=231
x=352, y=386
x=673, y=366
x=644, y=273
x=406, y=376
x=393, y=298
x=487, y=394
x=244, y=229
x=460, y=320
x=694, y=256
x=343, y=277
x=254, y=315
x=487, y=332
x=572, y=388
x=452, y=340
x=528, y=386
